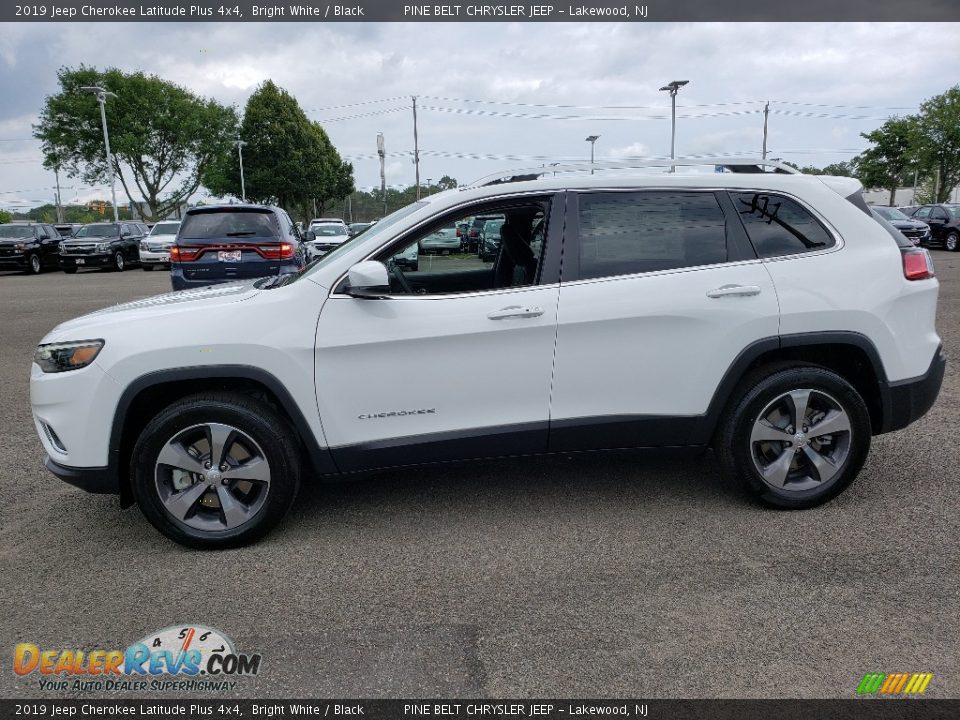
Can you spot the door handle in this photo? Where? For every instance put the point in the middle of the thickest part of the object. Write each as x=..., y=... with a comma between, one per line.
x=515, y=311
x=734, y=291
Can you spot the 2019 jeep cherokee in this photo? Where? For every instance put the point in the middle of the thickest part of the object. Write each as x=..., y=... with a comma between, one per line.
x=721, y=310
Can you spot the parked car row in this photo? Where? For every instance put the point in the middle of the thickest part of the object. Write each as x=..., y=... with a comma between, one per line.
x=943, y=220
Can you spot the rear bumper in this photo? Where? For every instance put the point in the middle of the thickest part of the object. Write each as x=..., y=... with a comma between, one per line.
x=906, y=401
x=94, y=480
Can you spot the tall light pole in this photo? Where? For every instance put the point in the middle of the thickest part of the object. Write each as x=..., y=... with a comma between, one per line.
x=101, y=94
x=243, y=187
x=672, y=87
x=382, y=152
x=592, y=139
x=416, y=146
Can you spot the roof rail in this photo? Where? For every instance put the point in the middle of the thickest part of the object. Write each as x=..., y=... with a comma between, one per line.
x=733, y=164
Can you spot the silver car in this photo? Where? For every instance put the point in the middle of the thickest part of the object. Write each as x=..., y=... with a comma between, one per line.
x=441, y=242
x=155, y=248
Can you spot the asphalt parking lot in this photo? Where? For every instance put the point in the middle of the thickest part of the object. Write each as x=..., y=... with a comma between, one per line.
x=587, y=576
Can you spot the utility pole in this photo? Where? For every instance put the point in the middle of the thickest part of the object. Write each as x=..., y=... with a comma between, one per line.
x=592, y=139
x=243, y=187
x=101, y=94
x=416, y=146
x=673, y=87
x=766, y=116
x=382, y=152
x=56, y=174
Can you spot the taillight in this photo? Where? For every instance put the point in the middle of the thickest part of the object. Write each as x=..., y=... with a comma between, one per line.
x=283, y=251
x=917, y=264
x=184, y=254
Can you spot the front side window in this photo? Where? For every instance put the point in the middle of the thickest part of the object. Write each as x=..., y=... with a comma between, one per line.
x=505, y=253
x=923, y=212
x=622, y=233
x=777, y=225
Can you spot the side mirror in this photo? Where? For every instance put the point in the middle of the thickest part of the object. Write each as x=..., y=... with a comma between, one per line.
x=369, y=280
x=309, y=236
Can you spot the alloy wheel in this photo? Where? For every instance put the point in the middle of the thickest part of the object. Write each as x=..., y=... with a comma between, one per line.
x=212, y=477
x=801, y=440
x=35, y=266
x=953, y=242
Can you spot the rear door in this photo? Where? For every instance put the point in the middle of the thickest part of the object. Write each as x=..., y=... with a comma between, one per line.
x=660, y=294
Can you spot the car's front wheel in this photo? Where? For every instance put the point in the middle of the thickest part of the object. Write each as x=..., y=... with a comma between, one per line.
x=118, y=262
x=952, y=242
x=35, y=266
x=215, y=470
x=795, y=436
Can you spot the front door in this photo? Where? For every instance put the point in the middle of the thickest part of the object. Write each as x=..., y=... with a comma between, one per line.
x=456, y=363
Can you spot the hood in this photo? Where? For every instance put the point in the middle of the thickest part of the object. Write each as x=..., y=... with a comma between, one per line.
x=192, y=301
x=908, y=224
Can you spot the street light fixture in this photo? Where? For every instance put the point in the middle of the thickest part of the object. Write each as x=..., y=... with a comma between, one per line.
x=672, y=87
x=592, y=139
x=243, y=188
x=102, y=94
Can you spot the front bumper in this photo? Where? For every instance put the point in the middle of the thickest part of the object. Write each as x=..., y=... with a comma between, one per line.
x=97, y=260
x=148, y=257
x=95, y=480
x=906, y=401
x=13, y=261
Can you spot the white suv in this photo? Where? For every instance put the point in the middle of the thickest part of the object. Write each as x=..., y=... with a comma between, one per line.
x=765, y=314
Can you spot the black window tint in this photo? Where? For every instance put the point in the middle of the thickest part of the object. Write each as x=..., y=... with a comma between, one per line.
x=779, y=226
x=939, y=214
x=228, y=225
x=626, y=233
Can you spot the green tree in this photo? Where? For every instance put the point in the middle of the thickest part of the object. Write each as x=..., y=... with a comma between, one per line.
x=937, y=143
x=5, y=217
x=161, y=135
x=891, y=160
x=287, y=159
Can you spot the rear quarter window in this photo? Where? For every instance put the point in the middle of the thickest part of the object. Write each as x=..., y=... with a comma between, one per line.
x=778, y=226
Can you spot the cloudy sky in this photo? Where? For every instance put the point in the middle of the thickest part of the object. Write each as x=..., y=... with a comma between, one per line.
x=512, y=94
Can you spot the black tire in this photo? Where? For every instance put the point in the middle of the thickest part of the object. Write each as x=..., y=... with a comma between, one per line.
x=740, y=459
x=70, y=270
x=118, y=262
x=34, y=265
x=260, y=422
x=952, y=242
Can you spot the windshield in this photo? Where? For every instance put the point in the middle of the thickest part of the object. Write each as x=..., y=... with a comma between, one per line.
x=165, y=228
x=16, y=231
x=889, y=213
x=372, y=236
x=228, y=224
x=98, y=230
x=327, y=230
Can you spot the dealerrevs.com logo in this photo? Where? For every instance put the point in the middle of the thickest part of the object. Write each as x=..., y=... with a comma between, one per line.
x=180, y=657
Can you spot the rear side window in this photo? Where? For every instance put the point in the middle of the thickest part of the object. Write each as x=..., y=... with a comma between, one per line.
x=777, y=225
x=230, y=225
x=622, y=233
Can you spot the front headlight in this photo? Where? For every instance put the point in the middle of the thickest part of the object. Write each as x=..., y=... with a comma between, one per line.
x=103, y=247
x=60, y=357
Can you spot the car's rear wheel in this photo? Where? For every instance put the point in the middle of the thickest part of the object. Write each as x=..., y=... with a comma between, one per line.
x=215, y=470
x=952, y=242
x=795, y=436
x=34, y=266
x=118, y=263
